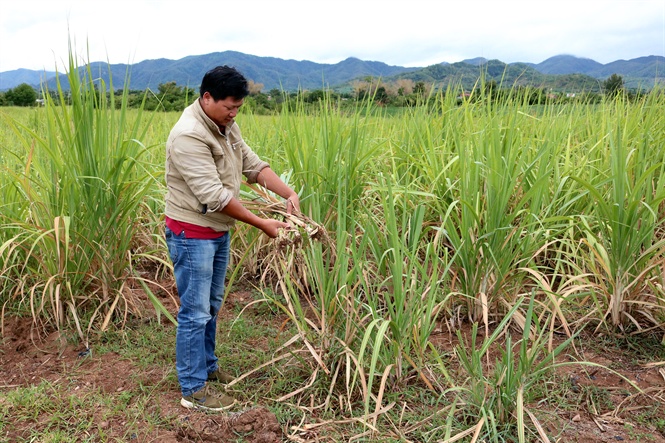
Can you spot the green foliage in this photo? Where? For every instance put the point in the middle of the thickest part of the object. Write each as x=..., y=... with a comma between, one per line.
x=22, y=95
x=168, y=97
x=79, y=188
x=622, y=222
x=614, y=85
x=501, y=397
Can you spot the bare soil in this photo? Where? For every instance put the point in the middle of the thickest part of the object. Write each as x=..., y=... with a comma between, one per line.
x=26, y=359
x=601, y=406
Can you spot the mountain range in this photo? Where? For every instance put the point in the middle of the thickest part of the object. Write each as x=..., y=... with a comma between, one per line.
x=562, y=72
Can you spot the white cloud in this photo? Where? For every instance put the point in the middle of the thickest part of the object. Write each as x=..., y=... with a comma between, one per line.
x=34, y=33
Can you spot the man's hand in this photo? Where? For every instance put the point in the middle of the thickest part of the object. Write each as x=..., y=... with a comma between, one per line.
x=271, y=227
x=271, y=181
x=292, y=204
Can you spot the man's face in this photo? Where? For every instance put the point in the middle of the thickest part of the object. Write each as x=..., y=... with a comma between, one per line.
x=221, y=112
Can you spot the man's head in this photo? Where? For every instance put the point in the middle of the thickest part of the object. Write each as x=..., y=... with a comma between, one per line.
x=224, y=81
x=223, y=90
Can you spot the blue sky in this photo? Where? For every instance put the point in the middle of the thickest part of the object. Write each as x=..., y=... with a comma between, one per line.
x=34, y=34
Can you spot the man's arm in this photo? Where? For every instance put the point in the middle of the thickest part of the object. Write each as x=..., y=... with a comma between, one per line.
x=271, y=181
x=236, y=210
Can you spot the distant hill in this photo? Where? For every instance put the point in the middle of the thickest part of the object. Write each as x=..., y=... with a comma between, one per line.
x=505, y=75
x=567, y=64
x=475, y=61
x=272, y=72
x=561, y=71
x=638, y=72
x=11, y=79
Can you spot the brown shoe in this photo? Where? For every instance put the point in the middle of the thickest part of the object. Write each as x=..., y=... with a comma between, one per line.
x=206, y=398
x=220, y=376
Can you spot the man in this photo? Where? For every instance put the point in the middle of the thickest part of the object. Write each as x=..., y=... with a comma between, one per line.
x=206, y=158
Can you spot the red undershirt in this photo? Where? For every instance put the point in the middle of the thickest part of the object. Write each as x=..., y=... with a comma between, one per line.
x=192, y=231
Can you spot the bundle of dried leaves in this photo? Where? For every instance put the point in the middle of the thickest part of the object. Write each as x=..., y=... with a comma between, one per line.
x=284, y=254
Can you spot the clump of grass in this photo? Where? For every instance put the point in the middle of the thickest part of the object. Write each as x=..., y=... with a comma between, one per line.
x=622, y=222
x=82, y=187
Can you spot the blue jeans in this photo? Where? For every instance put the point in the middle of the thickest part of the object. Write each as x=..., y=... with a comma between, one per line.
x=199, y=267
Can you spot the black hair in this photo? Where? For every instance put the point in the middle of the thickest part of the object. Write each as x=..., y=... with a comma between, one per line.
x=224, y=81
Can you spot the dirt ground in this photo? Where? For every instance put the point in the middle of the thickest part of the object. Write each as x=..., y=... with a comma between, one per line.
x=22, y=364
x=25, y=360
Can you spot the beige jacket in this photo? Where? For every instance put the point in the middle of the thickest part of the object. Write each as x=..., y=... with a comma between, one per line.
x=204, y=169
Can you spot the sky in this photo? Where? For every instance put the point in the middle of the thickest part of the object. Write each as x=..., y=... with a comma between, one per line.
x=36, y=34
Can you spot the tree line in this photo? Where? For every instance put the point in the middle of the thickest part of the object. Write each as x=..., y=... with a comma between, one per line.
x=398, y=93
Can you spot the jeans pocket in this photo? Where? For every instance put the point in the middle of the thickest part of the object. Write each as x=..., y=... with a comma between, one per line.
x=172, y=244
